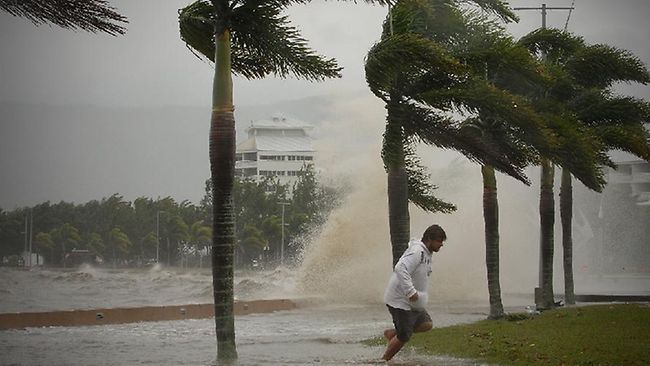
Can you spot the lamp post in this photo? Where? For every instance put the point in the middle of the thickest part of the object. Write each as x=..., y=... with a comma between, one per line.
x=31, y=229
x=539, y=291
x=29, y=226
x=283, y=204
x=158, y=235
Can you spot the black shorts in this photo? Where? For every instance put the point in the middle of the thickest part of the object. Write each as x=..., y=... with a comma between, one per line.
x=406, y=321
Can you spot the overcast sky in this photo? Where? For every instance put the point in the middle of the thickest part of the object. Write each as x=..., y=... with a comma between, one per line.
x=151, y=68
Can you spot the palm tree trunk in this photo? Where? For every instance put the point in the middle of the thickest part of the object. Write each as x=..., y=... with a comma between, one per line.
x=398, y=210
x=566, y=216
x=547, y=220
x=222, y=167
x=491, y=217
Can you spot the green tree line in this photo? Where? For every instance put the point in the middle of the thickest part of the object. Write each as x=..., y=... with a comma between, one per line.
x=144, y=230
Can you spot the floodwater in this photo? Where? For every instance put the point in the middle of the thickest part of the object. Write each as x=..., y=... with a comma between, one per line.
x=319, y=332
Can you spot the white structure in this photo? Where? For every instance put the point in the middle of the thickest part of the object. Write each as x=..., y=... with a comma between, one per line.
x=636, y=173
x=279, y=147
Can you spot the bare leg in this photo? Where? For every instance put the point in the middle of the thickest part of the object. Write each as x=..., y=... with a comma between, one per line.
x=390, y=333
x=424, y=327
x=394, y=344
x=393, y=347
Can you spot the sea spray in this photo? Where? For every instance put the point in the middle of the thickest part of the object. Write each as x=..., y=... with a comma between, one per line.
x=350, y=259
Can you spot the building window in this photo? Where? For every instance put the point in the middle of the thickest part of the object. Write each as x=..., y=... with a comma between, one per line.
x=272, y=157
x=273, y=173
x=251, y=156
x=299, y=157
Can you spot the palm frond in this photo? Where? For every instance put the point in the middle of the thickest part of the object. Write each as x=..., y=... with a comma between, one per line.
x=442, y=132
x=88, y=15
x=478, y=97
x=629, y=138
x=578, y=149
x=263, y=42
x=262, y=36
x=601, y=65
x=385, y=62
x=197, y=25
x=597, y=108
x=554, y=44
x=439, y=21
x=494, y=7
x=420, y=188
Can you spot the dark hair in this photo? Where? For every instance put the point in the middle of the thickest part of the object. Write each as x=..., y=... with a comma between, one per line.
x=434, y=232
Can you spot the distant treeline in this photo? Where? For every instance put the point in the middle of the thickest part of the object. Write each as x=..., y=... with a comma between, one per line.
x=123, y=233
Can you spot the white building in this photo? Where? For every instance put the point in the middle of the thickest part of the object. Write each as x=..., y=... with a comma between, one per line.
x=279, y=147
x=636, y=173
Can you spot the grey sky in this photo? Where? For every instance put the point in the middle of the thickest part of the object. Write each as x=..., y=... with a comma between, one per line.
x=142, y=152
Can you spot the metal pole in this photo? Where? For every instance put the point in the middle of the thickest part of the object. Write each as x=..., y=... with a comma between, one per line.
x=544, y=9
x=282, y=242
x=31, y=229
x=25, y=249
x=282, y=246
x=158, y=236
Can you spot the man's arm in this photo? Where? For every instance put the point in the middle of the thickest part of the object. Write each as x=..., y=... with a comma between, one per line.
x=404, y=270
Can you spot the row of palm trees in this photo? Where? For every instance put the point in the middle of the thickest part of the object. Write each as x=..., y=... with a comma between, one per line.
x=545, y=99
x=111, y=228
x=450, y=77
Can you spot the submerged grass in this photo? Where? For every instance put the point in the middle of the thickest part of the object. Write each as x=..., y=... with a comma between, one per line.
x=604, y=335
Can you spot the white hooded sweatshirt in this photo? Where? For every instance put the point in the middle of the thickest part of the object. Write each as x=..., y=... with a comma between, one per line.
x=411, y=275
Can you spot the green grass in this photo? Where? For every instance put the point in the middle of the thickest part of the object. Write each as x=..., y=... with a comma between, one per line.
x=603, y=335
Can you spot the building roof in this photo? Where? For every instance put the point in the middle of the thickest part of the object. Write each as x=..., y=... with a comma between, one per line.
x=279, y=122
x=276, y=143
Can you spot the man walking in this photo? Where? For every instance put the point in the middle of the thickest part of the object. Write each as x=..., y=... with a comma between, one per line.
x=406, y=293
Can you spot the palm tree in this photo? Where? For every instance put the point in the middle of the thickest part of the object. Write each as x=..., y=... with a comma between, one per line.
x=587, y=73
x=254, y=40
x=422, y=70
x=119, y=242
x=200, y=236
x=178, y=232
x=88, y=15
x=43, y=241
x=95, y=243
x=67, y=236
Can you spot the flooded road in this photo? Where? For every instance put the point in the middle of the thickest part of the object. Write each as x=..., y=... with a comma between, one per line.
x=317, y=333
x=320, y=335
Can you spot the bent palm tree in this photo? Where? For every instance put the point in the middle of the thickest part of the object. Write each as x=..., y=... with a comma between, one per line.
x=587, y=74
x=428, y=66
x=252, y=39
x=89, y=15
x=414, y=71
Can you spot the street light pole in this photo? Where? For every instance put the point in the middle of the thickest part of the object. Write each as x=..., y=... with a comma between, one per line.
x=283, y=204
x=539, y=289
x=31, y=229
x=26, y=240
x=158, y=235
x=544, y=9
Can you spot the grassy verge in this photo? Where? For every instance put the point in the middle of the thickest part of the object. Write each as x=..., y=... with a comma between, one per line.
x=604, y=335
